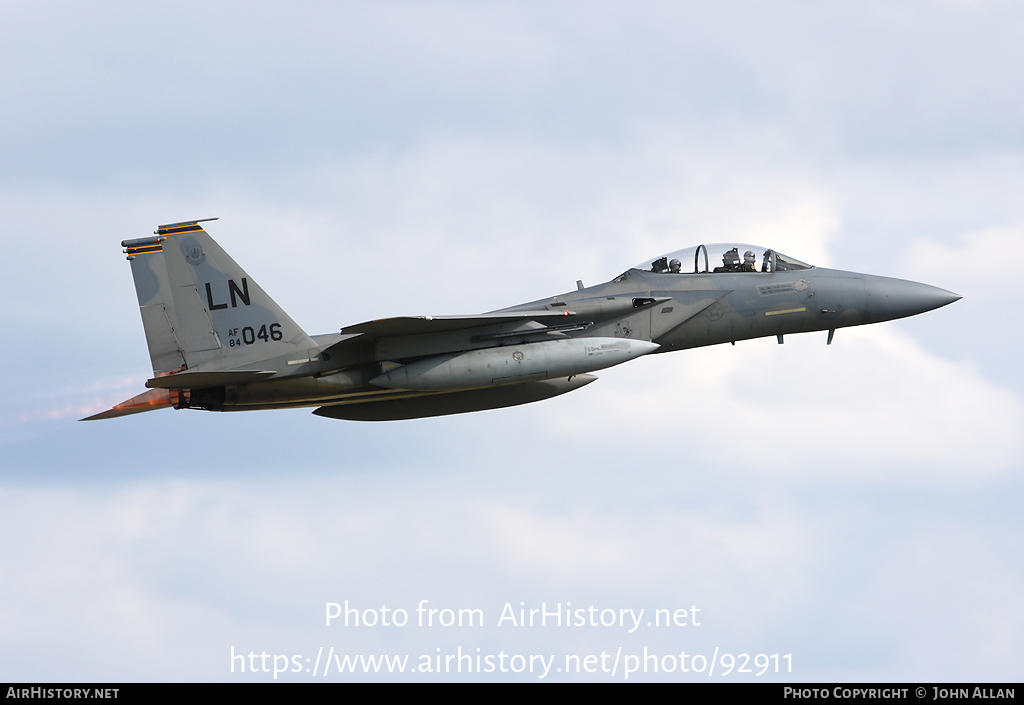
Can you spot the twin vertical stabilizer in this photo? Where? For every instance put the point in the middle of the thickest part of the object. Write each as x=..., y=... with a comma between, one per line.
x=200, y=309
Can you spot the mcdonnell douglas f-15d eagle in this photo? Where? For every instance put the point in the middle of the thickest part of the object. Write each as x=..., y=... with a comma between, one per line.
x=219, y=342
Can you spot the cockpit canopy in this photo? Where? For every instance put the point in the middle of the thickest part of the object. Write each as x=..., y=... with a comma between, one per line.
x=728, y=257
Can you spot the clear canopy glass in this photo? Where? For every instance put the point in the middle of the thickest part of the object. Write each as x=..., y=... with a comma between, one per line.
x=722, y=257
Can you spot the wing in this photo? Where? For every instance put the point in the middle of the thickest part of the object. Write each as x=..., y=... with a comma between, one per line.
x=411, y=336
x=410, y=325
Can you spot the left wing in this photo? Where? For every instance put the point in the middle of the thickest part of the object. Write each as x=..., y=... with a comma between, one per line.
x=543, y=321
x=410, y=325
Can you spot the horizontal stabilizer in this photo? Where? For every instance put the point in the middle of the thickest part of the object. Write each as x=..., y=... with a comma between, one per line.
x=147, y=401
x=200, y=380
x=454, y=402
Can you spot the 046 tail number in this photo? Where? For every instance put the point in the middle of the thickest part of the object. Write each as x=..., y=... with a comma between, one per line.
x=250, y=335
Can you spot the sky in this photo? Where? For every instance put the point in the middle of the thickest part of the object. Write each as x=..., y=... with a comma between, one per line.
x=810, y=512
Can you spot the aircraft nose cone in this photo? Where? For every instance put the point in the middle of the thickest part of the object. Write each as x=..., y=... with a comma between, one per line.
x=889, y=298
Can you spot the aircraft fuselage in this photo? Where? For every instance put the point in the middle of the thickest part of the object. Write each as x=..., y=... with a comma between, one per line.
x=219, y=342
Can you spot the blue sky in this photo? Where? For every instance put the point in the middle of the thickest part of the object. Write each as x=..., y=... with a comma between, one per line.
x=855, y=506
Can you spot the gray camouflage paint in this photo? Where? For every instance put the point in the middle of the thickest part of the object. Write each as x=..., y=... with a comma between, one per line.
x=219, y=342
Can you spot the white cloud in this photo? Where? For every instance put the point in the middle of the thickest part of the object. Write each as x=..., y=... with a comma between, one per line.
x=873, y=405
x=941, y=579
x=983, y=265
x=167, y=575
x=143, y=570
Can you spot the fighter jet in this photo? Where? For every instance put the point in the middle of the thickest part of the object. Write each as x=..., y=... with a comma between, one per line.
x=218, y=342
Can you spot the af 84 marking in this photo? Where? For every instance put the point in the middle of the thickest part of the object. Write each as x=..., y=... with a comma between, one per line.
x=249, y=335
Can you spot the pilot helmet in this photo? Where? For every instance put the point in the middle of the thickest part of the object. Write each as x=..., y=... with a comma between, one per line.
x=749, y=257
x=674, y=265
x=732, y=256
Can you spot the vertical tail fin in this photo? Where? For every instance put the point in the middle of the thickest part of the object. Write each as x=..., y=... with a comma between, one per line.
x=154, y=293
x=200, y=309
